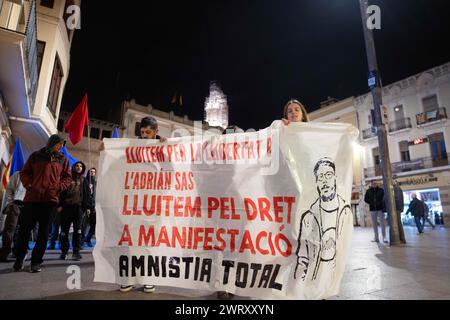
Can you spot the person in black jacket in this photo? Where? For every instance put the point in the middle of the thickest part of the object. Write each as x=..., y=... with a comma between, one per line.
x=74, y=203
x=374, y=197
x=90, y=217
x=417, y=210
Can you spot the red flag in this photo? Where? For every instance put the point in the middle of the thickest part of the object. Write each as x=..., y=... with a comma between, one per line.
x=77, y=121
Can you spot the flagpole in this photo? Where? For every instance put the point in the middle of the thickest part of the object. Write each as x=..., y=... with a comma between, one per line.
x=89, y=145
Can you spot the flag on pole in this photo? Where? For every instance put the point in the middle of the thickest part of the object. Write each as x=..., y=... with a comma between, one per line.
x=17, y=161
x=72, y=160
x=5, y=178
x=115, y=134
x=77, y=121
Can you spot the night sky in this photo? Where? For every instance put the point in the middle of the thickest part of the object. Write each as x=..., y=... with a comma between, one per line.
x=262, y=53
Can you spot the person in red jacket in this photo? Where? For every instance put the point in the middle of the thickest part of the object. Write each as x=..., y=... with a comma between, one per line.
x=45, y=175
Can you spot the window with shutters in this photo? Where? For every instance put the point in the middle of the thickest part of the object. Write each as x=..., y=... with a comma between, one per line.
x=430, y=103
x=55, y=86
x=376, y=156
x=438, y=147
x=40, y=55
x=404, y=151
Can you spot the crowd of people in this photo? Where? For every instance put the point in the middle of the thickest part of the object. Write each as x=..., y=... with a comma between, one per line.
x=50, y=196
x=49, y=193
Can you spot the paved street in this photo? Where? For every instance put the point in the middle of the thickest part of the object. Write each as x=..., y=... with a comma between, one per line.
x=419, y=270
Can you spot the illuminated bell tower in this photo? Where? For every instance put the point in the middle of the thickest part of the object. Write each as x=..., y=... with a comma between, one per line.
x=216, y=107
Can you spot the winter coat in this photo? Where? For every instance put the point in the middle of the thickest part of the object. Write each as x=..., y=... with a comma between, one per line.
x=374, y=197
x=416, y=208
x=77, y=192
x=91, y=183
x=45, y=175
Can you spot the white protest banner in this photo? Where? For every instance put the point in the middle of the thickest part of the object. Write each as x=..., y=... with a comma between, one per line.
x=263, y=214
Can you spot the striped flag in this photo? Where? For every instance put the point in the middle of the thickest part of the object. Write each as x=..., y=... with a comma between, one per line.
x=5, y=177
x=16, y=163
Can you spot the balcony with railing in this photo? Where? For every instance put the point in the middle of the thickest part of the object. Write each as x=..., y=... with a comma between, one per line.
x=431, y=116
x=368, y=134
x=18, y=55
x=412, y=165
x=400, y=124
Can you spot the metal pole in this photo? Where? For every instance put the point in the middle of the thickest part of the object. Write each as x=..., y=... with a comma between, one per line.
x=395, y=226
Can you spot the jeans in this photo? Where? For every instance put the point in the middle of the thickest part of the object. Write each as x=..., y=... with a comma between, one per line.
x=71, y=214
x=419, y=224
x=54, y=236
x=375, y=215
x=31, y=214
x=92, y=222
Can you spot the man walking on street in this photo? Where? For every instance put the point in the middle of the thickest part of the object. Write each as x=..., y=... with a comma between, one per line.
x=45, y=175
x=374, y=197
x=417, y=210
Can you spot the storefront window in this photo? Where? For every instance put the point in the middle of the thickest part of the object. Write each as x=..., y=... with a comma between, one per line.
x=431, y=197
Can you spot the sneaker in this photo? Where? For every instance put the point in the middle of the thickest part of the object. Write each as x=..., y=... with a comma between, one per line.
x=76, y=256
x=149, y=289
x=375, y=240
x=35, y=268
x=63, y=256
x=126, y=288
x=89, y=244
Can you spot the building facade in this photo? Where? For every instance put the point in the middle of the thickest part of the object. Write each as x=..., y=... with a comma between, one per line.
x=170, y=125
x=35, y=46
x=415, y=114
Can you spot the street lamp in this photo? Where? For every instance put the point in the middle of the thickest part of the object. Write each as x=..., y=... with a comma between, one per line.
x=396, y=228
